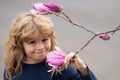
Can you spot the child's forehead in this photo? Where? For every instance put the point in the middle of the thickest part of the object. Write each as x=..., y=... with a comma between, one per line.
x=40, y=36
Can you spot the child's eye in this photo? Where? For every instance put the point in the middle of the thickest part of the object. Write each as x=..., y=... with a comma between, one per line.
x=45, y=39
x=31, y=42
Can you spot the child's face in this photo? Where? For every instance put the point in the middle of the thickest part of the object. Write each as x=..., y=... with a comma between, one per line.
x=36, y=49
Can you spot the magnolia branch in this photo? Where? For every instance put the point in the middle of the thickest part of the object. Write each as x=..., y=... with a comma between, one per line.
x=73, y=23
x=67, y=18
x=111, y=31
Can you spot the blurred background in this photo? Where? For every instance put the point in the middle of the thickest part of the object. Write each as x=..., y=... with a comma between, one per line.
x=103, y=57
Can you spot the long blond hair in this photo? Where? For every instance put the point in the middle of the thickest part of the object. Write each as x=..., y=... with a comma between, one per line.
x=25, y=25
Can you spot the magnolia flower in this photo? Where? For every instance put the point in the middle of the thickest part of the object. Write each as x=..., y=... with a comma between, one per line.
x=55, y=59
x=104, y=36
x=53, y=7
x=39, y=8
x=45, y=8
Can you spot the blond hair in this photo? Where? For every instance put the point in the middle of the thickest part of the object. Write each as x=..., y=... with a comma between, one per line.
x=27, y=25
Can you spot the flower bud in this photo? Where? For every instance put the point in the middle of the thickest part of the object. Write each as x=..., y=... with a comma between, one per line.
x=104, y=36
x=53, y=7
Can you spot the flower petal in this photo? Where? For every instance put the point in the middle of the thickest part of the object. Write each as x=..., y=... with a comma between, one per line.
x=56, y=61
x=55, y=58
x=34, y=11
x=53, y=67
x=40, y=7
x=53, y=6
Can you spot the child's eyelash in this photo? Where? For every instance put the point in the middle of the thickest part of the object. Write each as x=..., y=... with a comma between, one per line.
x=31, y=42
x=45, y=39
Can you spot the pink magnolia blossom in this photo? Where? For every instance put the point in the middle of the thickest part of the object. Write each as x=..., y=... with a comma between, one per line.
x=104, y=36
x=45, y=8
x=53, y=6
x=55, y=59
x=39, y=8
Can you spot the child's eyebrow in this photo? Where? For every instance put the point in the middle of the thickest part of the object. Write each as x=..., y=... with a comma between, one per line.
x=28, y=39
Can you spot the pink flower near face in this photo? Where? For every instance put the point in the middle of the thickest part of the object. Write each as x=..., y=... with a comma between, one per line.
x=53, y=6
x=104, y=36
x=39, y=8
x=55, y=59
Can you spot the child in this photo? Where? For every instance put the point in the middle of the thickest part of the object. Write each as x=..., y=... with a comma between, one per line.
x=31, y=38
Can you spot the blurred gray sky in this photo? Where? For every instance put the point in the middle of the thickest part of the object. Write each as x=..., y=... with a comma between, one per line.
x=98, y=15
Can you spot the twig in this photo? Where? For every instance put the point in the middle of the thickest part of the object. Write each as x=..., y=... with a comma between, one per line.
x=116, y=29
x=67, y=18
x=85, y=44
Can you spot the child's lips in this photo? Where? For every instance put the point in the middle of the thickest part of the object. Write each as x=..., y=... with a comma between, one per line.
x=40, y=52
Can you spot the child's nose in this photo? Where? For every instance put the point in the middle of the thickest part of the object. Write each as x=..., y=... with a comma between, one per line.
x=40, y=45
